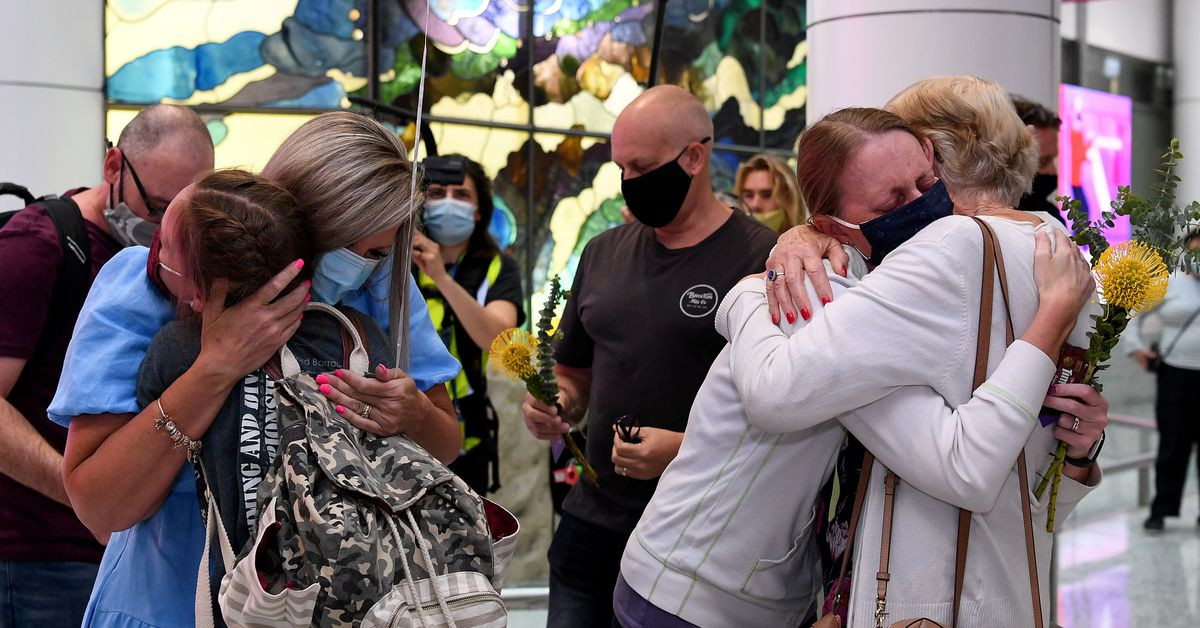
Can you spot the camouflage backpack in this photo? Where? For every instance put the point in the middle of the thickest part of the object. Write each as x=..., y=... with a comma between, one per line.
x=354, y=529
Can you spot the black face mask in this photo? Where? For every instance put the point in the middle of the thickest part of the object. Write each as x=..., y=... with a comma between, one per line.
x=1044, y=185
x=656, y=197
x=894, y=228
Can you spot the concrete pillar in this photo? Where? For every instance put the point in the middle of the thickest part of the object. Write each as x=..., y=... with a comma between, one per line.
x=51, y=95
x=1187, y=95
x=863, y=52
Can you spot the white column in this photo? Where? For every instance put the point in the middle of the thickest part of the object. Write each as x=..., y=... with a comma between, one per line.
x=1187, y=95
x=864, y=52
x=51, y=95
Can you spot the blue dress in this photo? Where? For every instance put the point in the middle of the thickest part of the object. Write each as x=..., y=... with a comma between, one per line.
x=148, y=574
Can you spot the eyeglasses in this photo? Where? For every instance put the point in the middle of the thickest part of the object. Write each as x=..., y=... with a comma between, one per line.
x=153, y=209
x=170, y=270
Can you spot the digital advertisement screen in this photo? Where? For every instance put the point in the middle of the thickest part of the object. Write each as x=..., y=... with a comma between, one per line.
x=1094, y=150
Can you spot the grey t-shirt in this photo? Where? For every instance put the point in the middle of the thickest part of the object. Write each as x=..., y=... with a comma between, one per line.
x=240, y=445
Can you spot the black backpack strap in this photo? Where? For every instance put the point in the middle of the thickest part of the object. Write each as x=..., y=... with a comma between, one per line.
x=75, y=273
x=20, y=191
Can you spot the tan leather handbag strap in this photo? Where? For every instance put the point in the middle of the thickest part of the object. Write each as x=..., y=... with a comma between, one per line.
x=1035, y=591
x=860, y=495
x=885, y=545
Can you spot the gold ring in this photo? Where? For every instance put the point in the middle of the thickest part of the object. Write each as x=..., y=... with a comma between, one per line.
x=366, y=411
x=625, y=471
x=1075, y=426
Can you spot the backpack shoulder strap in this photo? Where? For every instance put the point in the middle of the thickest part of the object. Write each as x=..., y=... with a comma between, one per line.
x=75, y=273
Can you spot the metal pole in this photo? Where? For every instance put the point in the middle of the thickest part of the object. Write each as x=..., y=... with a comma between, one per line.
x=660, y=16
x=762, y=73
x=372, y=42
x=530, y=157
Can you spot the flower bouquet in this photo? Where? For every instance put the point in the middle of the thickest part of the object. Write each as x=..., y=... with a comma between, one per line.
x=521, y=357
x=1131, y=276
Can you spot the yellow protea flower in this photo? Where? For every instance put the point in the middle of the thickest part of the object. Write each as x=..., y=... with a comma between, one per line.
x=1132, y=276
x=513, y=353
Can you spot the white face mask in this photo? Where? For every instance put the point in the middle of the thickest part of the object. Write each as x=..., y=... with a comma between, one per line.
x=339, y=273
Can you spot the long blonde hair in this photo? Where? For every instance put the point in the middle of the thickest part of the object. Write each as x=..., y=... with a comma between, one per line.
x=783, y=187
x=985, y=153
x=353, y=177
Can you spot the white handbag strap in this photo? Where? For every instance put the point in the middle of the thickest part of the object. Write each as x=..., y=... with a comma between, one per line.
x=360, y=362
x=213, y=527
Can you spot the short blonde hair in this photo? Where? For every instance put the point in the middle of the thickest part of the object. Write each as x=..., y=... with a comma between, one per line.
x=985, y=153
x=353, y=177
x=783, y=187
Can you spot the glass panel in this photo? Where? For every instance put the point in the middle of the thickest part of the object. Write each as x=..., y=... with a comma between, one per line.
x=246, y=53
x=242, y=140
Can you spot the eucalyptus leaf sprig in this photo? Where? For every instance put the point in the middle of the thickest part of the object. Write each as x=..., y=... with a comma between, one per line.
x=1132, y=276
x=521, y=356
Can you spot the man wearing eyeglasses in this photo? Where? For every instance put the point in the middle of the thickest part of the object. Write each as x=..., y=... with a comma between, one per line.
x=48, y=559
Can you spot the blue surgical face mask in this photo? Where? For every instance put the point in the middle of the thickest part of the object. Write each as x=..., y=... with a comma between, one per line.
x=449, y=220
x=889, y=231
x=339, y=273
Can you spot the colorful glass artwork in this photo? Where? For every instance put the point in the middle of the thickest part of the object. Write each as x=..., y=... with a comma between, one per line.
x=523, y=104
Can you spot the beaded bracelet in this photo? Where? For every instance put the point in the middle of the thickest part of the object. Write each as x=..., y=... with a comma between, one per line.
x=179, y=440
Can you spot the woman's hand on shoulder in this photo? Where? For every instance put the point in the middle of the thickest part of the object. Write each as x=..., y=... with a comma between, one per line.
x=237, y=340
x=801, y=251
x=1063, y=277
x=387, y=405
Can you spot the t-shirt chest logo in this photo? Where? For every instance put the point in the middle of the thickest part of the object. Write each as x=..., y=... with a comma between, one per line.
x=698, y=301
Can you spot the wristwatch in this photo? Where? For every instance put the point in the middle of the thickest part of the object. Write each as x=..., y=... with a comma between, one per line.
x=1092, y=454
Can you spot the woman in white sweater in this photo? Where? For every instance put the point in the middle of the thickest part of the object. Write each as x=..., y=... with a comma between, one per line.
x=728, y=537
x=1178, y=356
x=913, y=322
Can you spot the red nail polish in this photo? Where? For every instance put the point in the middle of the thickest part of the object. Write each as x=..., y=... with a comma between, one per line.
x=824, y=300
x=325, y=389
x=774, y=319
x=340, y=409
x=338, y=373
x=322, y=379
x=299, y=264
x=804, y=313
x=791, y=318
x=843, y=270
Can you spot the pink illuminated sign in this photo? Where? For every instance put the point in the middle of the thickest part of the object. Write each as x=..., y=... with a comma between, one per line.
x=1094, y=146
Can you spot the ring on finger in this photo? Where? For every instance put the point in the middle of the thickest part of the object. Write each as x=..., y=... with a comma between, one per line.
x=1075, y=425
x=625, y=471
x=772, y=275
x=366, y=411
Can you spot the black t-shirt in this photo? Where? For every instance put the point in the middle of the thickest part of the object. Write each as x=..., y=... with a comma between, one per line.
x=641, y=318
x=240, y=445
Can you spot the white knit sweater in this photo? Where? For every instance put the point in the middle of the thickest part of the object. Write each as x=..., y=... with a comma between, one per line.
x=913, y=323
x=1181, y=302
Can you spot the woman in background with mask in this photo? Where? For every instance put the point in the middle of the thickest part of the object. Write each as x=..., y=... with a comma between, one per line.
x=473, y=292
x=767, y=189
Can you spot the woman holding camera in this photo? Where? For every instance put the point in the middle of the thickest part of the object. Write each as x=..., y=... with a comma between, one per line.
x=473, y=292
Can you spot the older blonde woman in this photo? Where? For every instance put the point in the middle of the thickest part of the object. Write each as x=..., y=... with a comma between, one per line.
x=766, y=186
x=913, y=322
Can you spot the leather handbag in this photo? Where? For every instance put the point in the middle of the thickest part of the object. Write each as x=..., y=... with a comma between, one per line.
x=993, y=264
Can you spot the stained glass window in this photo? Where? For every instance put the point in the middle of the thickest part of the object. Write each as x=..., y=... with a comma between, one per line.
x=528, y=88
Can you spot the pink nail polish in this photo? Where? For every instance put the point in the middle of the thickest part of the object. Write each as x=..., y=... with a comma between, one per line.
x=340, y=409
x=299, y=264
x=322, y=379
x=307, y=283
x=338, y=373
x=307, y=298
x=325, y=389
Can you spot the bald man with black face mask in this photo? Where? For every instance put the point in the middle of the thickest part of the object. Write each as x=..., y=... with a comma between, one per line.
x=638, y=338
